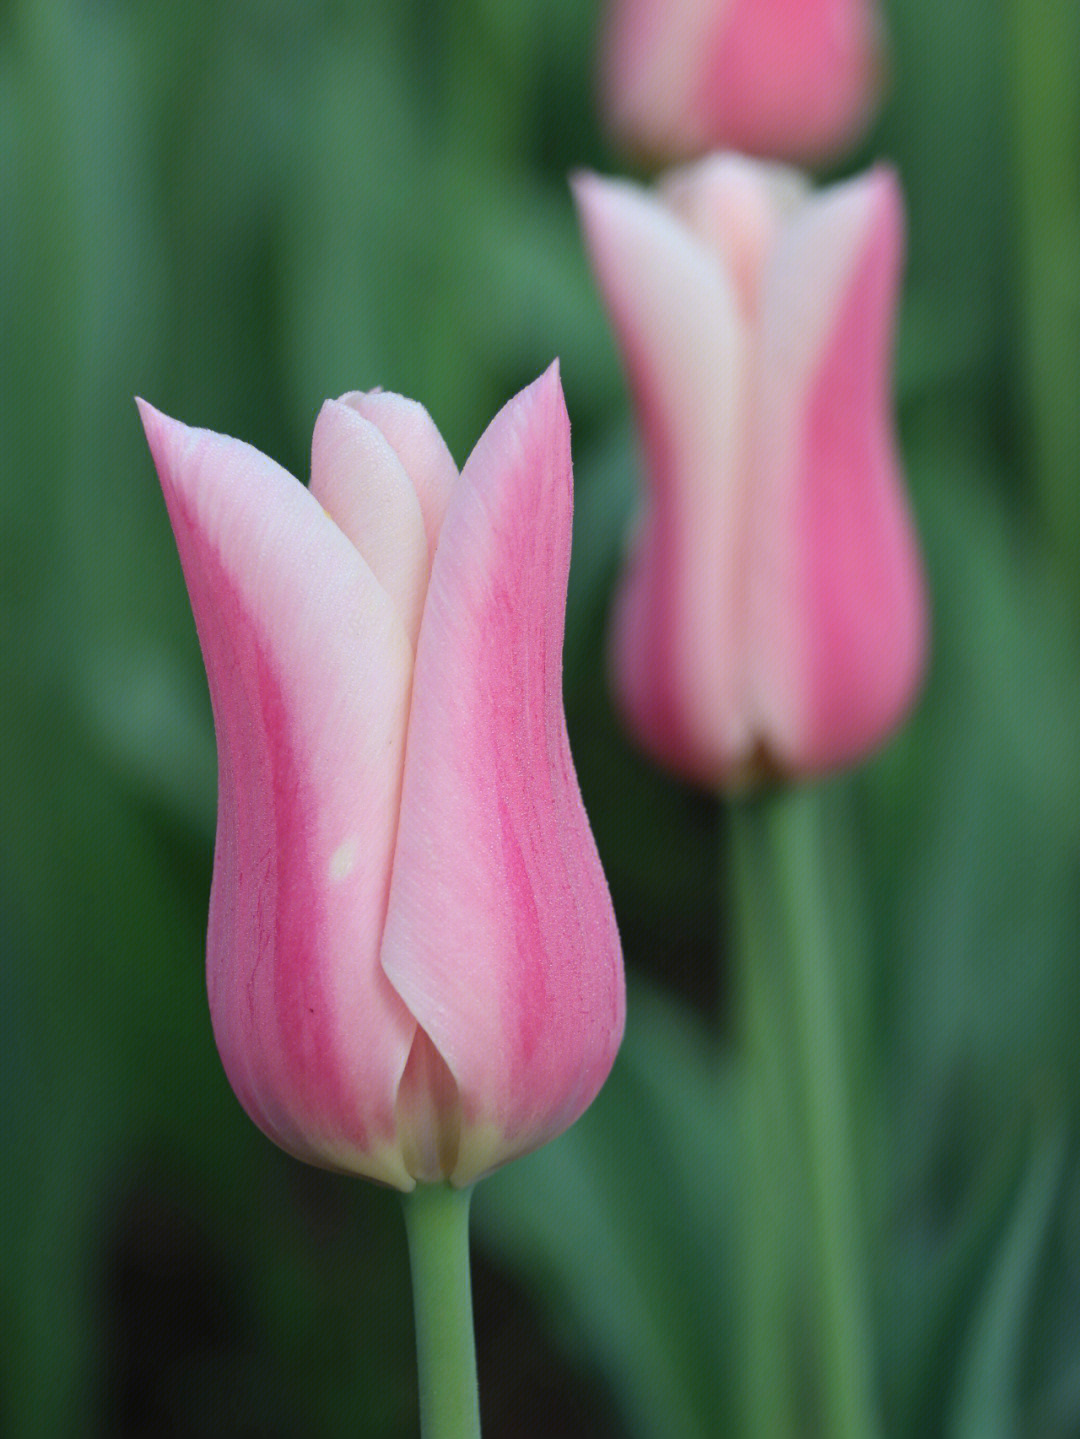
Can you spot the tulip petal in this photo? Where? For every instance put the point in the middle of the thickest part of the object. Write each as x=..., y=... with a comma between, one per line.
x=678, y=651
x=838, y=622
x=309, y=674
x=788, y=78
x=736, y=207
x=412, y=435
x=500, y=935
x=650, y=63
x=793, y=79
x=358, y=479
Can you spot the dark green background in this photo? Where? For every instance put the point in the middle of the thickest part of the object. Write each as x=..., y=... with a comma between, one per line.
x=237, y=210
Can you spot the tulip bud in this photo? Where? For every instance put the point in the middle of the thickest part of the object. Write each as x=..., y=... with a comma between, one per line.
x=791, y=79
x=772, y=617
x=412, y=962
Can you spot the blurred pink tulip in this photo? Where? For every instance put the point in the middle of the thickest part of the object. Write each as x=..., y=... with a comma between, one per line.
x=413, y=966
x=791, y=79
x=773, y=615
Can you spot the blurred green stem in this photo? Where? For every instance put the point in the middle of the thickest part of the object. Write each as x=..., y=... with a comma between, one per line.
x=798, y=1101
x=437, y=1224
x=476, y=62
x=1043, y=46
x=766, y=1138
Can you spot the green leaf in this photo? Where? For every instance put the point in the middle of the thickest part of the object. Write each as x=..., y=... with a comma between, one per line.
x=988, y=1403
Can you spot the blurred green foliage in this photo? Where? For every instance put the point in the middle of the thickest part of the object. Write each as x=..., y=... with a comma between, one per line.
x=236, y=211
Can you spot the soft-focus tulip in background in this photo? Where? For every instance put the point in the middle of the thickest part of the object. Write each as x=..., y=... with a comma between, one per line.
x=790, y=79
x=772, y=618
x=413, y=966
x=238, y=210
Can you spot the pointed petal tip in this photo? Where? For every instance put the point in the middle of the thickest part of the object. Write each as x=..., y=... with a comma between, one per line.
x=583, y=183
x=888, y=199
x=165, y=436
x=878, y=190
x=152, y=419
x=169, y=437
x=540, y=404
x=597, y=196
x=591, y=190
x=331, y=408
x=151, y=415
x=548, y=385
x=886, y=178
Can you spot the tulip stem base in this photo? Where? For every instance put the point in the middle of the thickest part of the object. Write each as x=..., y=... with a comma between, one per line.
x=437, y=1225
x=802, y=1188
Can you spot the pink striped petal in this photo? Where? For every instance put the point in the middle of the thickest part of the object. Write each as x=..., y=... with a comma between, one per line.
x=500, y=936
x=411, y=434
x=838, y=622
x=309, y=673
x=790, y=79
x=737, y=209
x=358, y=479
x=794, y=79
x=650, y=62
x=678, y=653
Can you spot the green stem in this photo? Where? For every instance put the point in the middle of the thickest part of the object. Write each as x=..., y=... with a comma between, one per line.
x=1043, y=45
x=799, y=1073
x=437, y=1225
x=766, y=1143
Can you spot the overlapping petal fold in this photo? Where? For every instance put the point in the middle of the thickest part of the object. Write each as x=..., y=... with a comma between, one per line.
x=411, y=433
x=359, y=480
x=736, y=208
x=500, y=936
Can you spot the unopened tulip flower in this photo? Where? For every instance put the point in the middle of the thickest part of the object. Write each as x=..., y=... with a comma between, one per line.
x=772, y=618
x=413, y=966
x=786, y=79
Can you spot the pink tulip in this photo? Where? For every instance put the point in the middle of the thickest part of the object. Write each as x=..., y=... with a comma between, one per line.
x=413, y=966
x=773, y=616
x=792, y=79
